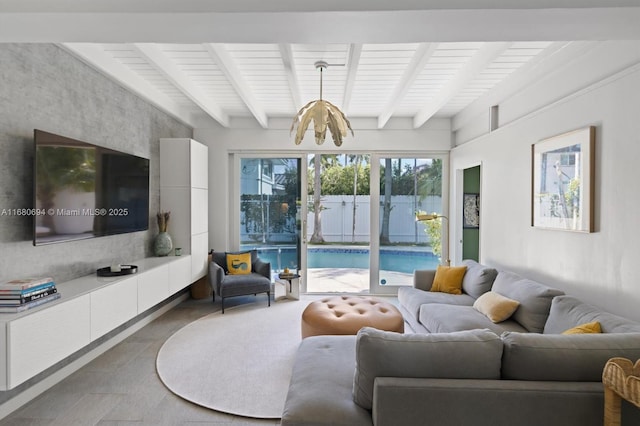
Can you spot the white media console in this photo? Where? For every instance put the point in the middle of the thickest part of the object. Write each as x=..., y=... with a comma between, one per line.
x=90, y=307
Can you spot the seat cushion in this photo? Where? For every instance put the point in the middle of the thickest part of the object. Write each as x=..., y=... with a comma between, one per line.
x=237, y=285
x=412, y=298
x=328, y=364
x=470, y=354
x=448, y=318
x=567, y=312
x=535, y=299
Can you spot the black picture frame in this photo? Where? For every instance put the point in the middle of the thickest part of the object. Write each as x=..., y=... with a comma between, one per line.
x=471, y=211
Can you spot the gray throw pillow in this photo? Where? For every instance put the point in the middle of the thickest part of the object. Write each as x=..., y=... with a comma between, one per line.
x=557, y=357
x=471, y=354
x=535, y=299
x=478, y=279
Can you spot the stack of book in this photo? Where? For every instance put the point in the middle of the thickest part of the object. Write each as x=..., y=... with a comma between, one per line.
x=20, y=295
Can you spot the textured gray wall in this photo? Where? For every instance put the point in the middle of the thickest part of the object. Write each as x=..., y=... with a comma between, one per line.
x=44, y=87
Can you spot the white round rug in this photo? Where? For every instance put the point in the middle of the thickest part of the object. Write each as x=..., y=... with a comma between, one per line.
x=238, y=363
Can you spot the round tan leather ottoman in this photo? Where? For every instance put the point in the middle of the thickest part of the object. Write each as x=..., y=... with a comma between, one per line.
x=348, y=314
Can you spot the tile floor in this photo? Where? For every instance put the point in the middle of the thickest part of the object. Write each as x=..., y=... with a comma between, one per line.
x=121, y=386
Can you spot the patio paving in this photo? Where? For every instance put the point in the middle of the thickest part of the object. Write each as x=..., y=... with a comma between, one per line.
x=350, y=280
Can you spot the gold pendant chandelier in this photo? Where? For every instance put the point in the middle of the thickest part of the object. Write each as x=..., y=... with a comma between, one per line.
x=324, y=115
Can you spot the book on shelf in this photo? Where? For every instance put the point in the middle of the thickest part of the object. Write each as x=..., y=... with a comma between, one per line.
x=14, y=300
x=24, y=284
x=29, y=305
x=15, y=294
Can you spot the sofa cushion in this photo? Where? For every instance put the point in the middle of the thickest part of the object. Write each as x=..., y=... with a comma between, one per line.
x=556, y=357
x=470, y=354
x=495, y=306
x=412, y=298
x=448, y=279
x=239, y=263
x=478, y=279
x=587, y=328
x=567, y=312
x=327, y=363
x=447, y=318
x=220, y=258
x=535, y=299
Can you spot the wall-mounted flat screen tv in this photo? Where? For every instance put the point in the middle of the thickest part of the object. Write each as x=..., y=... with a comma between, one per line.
x=85, y=191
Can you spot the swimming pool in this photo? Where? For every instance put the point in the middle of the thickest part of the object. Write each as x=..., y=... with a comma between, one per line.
x=391, y=259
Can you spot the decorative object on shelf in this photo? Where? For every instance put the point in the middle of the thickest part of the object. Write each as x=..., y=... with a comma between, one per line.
x=163, y=244
x=471, y=211
x=22, y=294
x=109, y=271
x=324, y=115
x=434, y=229
x=563, y=182
x=178, y=251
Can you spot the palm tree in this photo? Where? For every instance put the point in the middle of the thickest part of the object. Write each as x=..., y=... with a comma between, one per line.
x=386, y=210
x=317, y=237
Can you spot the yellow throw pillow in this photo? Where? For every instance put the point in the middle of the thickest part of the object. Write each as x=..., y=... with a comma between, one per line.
x=239, y=264
x=589, y=327
x=495, y=306
x=448, y=279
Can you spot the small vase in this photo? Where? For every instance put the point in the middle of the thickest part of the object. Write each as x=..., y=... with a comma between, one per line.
x=162, y=245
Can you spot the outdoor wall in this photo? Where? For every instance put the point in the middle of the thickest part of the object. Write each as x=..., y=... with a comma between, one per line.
x=397, y=137
x=44, y=87
x=599, y=267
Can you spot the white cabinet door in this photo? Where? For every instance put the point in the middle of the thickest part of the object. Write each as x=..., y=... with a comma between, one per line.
x=113, y=305
x=199, y=210
x=199, y=255
x=199, y=165
x=37, y=341
x=153, y=287
x=177, y=200
x=179, y=274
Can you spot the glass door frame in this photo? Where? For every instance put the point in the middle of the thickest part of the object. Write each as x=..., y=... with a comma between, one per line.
x=234, y=198
x=374, y=260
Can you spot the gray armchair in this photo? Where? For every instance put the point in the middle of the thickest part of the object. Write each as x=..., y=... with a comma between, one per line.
x=226, y=285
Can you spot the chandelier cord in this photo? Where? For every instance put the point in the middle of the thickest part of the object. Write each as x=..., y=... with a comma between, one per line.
x=320, y=83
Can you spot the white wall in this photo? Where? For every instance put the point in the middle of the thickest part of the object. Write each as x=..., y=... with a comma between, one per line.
x=598, y=267
x=433, y=137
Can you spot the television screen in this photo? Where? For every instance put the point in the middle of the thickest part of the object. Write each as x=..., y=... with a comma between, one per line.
x=85, y=191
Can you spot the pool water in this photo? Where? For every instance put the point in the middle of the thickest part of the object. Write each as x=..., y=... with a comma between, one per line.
x=391, y=259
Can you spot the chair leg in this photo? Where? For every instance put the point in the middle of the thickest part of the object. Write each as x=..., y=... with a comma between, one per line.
x=269, y=297
x=222, y=301
x=214, y=296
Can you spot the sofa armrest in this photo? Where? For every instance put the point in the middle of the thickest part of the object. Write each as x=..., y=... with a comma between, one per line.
x=216, y=276
x=451, y=402
x=423, y=278
x=262, y=268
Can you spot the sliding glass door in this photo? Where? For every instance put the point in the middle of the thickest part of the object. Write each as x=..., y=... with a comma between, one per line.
x=407, y=185
x=345, y=222
x=270, y=210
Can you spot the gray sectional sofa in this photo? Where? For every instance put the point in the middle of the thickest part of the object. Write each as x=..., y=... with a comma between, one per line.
x=460, y=368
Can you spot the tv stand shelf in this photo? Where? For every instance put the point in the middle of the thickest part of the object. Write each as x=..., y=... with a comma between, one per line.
x=90, y=307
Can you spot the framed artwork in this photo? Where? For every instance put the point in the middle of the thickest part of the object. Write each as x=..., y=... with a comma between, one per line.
x=562, y=190
x=471, y=211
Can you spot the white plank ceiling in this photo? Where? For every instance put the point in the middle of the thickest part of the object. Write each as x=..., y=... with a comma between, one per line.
x=237, y=60
x=263, y=81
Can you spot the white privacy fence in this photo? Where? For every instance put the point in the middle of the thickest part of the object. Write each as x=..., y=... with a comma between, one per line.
x=337, y=218
x=269, y=226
